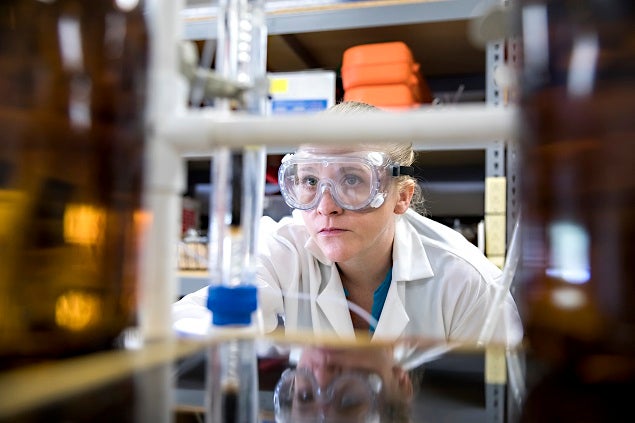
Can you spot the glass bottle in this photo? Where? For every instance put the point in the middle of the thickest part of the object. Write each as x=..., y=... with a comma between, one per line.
x=577, y=279
x=73, y=88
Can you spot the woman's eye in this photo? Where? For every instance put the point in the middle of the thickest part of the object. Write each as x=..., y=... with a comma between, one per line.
x=305, y=395
x=309, y=181
x=352, y=180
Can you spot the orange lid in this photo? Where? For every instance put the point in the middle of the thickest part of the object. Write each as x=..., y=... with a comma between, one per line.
x=377, y=53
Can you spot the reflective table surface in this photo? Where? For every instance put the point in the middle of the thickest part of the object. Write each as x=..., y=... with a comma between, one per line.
x=300, y=379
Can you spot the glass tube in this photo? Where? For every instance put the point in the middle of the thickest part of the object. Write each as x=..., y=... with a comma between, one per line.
x=238, y=202
x=238, y=178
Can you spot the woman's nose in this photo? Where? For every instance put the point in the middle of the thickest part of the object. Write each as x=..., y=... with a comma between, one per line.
x=327, y=204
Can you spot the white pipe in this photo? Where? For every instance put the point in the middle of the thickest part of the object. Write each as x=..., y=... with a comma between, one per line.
x=167, y=92
x=164, y=178
x=200, y=131
x=164, y=181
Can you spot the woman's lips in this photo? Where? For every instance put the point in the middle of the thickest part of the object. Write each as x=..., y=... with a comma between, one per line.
x=331, y=231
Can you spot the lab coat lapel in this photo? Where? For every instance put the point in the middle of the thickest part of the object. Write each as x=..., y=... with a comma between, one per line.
x=410, y=262
x=394, y=318
x=334, y=307
x=409, y=258
x=332, y=311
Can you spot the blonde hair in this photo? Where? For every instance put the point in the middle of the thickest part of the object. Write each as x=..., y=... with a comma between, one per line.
x=398, y=152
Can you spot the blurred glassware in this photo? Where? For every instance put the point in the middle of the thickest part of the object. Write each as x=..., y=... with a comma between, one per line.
x=72, y=111
x=576, y=289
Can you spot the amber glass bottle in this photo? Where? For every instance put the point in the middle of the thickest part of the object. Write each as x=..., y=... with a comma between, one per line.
x=577, y=285
x=72, y=103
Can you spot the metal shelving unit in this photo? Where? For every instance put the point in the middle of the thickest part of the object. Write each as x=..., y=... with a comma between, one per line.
x=292, y=17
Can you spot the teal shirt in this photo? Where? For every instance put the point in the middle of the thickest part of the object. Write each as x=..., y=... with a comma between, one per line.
x=379, y=298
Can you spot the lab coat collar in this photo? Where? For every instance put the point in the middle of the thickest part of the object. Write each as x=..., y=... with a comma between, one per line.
x=394, y=318
x=332, y=302
x=409, y=258
x=409, y=262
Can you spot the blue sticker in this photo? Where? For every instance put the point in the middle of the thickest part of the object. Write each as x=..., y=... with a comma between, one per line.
x=298, y=106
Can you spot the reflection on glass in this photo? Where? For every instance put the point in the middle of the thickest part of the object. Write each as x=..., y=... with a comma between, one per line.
x=338, y=384
x=350, y=396
x=76, y=310
x=569, y=259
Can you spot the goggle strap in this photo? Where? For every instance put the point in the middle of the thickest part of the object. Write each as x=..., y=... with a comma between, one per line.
x=403, y=170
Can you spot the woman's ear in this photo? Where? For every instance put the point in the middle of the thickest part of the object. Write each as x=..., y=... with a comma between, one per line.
x=406, y=191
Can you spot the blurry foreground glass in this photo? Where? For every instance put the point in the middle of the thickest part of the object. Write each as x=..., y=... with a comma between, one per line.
x=576, y=290
x=73, y=84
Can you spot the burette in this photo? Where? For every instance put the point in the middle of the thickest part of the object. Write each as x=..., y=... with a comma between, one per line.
x=238, y=175
x=238, y=179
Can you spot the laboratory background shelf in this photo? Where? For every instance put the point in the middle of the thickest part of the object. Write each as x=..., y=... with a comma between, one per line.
x=313, y=34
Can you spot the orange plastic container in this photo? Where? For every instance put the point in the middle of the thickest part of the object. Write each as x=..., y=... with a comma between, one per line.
x=379, y=63
x=383, y=64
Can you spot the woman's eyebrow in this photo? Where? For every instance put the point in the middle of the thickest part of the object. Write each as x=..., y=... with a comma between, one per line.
x=350, y=169
x=307, y=168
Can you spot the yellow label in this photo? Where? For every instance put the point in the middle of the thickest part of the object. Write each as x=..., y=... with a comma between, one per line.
x=495, y=365
x=495, y=235
x=278, y=85
x=495, y=194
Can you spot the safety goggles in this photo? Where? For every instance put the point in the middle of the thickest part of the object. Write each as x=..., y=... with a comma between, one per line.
x=350, y=397
x=354, y=181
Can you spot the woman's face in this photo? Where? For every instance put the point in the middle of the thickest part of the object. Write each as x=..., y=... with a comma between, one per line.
x=343, y=234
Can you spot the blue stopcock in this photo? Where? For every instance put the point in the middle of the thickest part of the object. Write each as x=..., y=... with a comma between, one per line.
x=232, y=305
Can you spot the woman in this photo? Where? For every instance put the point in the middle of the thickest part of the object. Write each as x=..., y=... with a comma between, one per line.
x=357, y=256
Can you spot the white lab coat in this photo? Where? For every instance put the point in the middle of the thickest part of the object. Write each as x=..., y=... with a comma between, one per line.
x=442, y=286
